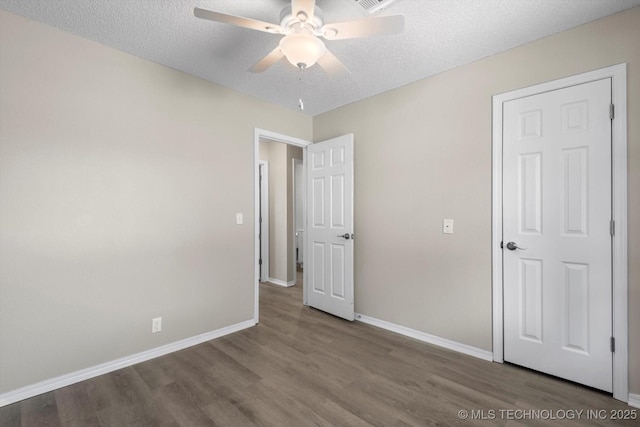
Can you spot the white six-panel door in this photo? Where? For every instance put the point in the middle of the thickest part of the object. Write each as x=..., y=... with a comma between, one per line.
x=556, y=221
x=329, y=240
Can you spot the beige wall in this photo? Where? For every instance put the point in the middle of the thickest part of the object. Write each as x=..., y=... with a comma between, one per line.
x=423, y=153
x=119, y=184
x=278, y=211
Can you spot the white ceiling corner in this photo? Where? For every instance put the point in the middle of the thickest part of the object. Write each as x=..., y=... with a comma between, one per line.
x=439, y=35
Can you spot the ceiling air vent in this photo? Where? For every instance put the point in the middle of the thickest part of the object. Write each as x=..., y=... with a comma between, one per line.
x=373, y=6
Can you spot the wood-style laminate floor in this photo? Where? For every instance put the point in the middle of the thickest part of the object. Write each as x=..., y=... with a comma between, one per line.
x=301, y=367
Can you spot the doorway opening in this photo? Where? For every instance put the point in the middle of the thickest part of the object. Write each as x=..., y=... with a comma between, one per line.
x=279, y=223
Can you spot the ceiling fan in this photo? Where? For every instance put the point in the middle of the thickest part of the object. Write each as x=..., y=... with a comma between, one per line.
x=302, y=26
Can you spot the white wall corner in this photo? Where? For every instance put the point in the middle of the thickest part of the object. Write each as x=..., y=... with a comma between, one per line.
x=280, y=282
x=634, y=400
x=104, y=368
x=428, y=338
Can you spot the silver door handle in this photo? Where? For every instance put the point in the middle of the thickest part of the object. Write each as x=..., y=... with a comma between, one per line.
x=512, y=246
x=345, y=236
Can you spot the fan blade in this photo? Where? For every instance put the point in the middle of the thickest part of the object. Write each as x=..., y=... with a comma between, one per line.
x=237, y=21
x=364, y=27
x=272, y=57
x=332, y=65
x=303, y=6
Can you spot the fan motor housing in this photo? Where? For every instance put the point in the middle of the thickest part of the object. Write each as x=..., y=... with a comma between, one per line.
x=290, y=22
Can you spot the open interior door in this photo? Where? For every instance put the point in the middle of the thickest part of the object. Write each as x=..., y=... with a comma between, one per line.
x=329, y=241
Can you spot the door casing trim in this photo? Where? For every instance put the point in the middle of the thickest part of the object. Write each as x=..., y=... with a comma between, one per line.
x=259, y=134
x=618, y=75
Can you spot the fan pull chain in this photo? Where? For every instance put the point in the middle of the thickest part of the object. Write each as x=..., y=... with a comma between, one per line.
x=300, y=102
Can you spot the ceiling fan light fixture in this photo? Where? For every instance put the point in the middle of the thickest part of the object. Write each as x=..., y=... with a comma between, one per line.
x=302, y=49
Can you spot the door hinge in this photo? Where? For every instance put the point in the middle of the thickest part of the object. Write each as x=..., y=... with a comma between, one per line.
x=613, y=345
x=260, y=262
x=612, y=227
x=611, y=111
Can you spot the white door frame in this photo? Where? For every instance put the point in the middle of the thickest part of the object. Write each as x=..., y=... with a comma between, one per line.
x=618, y=75
x=259, y=134
x=264, y=205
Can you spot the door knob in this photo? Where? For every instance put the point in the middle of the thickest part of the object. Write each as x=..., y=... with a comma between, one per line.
x=512, y=246
x=345, y=236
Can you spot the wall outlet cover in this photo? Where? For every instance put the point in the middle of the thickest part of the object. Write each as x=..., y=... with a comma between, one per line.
x=447, y=226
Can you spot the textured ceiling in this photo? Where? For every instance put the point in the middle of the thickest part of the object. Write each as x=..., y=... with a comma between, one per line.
x=439, y=35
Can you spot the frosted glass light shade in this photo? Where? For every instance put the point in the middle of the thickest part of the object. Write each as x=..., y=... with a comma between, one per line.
x=302, y=49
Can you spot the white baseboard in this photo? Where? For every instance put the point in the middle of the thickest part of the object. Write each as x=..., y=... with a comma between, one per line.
x=281, y=282
x=634, y=400
x=104, y=368
x=431, y=339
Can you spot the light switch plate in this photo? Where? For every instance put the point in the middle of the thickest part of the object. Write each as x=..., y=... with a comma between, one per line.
x=156, y=324
x=447, y=226
x=239, y=219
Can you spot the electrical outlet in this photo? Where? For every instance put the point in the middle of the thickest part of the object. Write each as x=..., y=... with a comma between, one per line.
x=156, y=324
x=447, y=226
x=239, y=219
